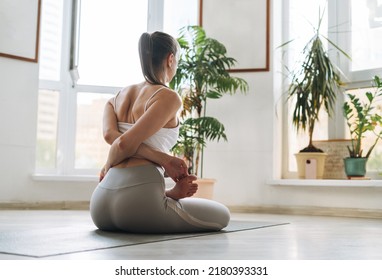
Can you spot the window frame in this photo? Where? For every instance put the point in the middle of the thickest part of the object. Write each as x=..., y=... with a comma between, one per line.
x=65, y=115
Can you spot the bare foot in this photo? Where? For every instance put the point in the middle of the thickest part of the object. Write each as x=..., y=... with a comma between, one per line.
x=185, y=187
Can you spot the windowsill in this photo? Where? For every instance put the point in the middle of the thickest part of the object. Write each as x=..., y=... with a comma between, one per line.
x=65, y=178
x=272, y=182
x=326, y=183
x=78, y=178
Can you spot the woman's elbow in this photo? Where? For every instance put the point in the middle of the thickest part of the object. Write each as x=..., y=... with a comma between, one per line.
x=108, y=136
x=124, y=147
x=120, y=144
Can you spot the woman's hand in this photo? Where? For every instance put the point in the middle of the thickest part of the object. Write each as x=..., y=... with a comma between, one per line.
x=103, y=172
x=185, y=187
x=175, y=168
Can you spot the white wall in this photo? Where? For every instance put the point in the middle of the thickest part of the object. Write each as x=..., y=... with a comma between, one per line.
x=241, y=166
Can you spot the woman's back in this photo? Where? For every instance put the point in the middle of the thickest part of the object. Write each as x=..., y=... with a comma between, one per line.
x=129, y=106
x=132, y=102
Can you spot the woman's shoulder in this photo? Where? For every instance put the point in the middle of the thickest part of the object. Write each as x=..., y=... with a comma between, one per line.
x=161, y=94
x=161, y=91
x=129, y=92
x=151, y=92
x=172, y=95
x=132, y=89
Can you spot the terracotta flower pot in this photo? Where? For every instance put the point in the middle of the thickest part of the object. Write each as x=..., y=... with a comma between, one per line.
x=205, y=188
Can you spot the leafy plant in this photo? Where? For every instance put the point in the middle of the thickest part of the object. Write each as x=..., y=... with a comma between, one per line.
x=362, y=117
x=314, y=85
x=202, y=74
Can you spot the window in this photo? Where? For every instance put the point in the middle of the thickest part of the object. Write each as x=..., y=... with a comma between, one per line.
x=70, y=111
x=90, y=148
x=108, y=45
x=50, y=86
x=179, y=13
x=366, y=39
x=51, y=40
x=46, y=156
x=356, y=27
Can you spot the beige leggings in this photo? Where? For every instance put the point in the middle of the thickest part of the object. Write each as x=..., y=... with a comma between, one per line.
x=133, y=199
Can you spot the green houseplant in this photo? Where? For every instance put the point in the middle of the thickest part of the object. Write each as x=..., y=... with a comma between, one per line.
x=362, y=116
x=314, y=86
x=202, y=74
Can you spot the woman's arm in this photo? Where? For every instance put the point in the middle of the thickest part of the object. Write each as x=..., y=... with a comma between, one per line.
x=175, y=168
x=159, y=113
x=110, y=124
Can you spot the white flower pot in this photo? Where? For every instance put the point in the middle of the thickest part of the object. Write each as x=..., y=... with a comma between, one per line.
x=310, y=165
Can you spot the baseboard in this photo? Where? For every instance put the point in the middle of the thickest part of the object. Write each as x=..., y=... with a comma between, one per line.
x=310, y=211
x=286, y=210
x=45, y=205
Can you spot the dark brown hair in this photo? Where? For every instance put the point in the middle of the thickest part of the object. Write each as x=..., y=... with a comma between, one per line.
x=153, y=50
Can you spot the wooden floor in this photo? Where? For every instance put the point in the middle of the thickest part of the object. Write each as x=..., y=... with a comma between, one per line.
x=304, y=238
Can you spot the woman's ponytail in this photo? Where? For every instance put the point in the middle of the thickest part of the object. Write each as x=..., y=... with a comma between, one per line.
x=153, y=50
x=145, y=55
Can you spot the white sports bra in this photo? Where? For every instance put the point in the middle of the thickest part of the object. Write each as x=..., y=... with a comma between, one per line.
x=163, y=140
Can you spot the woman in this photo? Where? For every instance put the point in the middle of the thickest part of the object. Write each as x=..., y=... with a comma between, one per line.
x=141, y=125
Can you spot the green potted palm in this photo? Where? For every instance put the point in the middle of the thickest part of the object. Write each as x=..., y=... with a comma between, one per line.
x=362, y=116
x=314, y=86
x=202, y=74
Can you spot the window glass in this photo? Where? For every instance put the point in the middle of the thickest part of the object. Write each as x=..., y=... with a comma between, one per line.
x=303, y=21
x=366, y=41
x=91, y=150
x=72, y=141
x=108, y=45
x=50, y=40
x=47, y=118
x=178, y=14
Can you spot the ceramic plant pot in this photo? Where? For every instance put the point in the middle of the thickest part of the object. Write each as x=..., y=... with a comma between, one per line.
x=355, y=167
x=205, y=188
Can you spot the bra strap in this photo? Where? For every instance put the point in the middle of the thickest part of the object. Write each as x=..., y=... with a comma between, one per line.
x=148, y=100
x=115, y=102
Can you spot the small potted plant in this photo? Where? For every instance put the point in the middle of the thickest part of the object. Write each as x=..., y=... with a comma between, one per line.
x=202, y=74
x=362, y=117
x=314, y=86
